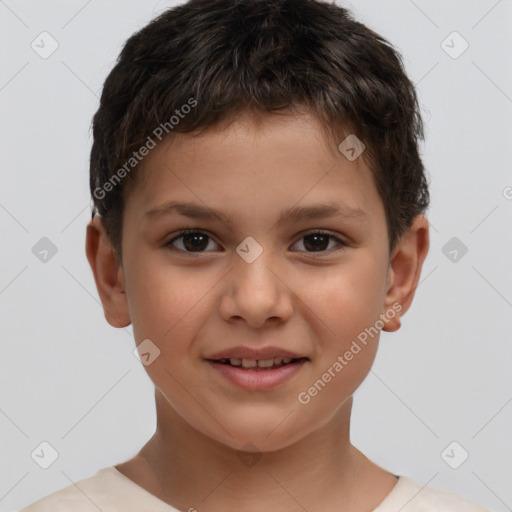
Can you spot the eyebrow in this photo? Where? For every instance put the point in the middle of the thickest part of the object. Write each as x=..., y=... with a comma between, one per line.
x=296, y=213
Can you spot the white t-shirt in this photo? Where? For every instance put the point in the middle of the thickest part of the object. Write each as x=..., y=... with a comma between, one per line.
x=110, y=491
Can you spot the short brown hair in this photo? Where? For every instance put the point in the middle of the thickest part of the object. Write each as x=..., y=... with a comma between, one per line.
x=221, y=58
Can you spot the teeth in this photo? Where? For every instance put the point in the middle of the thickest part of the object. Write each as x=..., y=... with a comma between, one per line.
x=265, y=363
x=262, y=363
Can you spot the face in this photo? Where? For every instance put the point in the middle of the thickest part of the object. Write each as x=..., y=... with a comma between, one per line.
x=259, y=275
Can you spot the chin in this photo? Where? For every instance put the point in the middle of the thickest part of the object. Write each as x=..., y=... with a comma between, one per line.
x=256, y=434
x=262, y=444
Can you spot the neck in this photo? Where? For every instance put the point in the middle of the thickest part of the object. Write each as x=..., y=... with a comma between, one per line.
x=188, y=470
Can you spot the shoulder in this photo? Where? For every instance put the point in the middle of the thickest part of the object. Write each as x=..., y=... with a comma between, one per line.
x=410, y=495
x=83, y=496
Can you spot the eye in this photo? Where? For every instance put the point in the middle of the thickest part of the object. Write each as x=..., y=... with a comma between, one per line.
x=194, y=241
x=191, y=240
x=318, y=241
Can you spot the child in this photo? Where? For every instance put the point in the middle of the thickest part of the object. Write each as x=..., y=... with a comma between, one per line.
x=233, y=136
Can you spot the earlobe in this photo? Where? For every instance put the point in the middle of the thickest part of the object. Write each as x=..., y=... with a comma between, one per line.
x=108, y=274
x=405, y=270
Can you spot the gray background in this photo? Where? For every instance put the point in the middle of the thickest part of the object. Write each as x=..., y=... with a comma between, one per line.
x=68, y=378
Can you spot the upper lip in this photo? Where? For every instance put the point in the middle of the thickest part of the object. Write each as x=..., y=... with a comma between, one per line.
x=254, y=353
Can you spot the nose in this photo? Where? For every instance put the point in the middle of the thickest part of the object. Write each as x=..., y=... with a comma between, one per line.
x=256, y=292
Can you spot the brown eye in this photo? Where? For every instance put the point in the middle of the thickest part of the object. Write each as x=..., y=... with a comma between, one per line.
x=191, y=241
x=318, y=241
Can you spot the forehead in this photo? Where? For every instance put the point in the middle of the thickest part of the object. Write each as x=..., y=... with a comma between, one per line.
x=254, y=166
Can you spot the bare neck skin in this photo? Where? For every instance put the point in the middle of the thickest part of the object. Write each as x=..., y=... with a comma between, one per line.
x=183, y=468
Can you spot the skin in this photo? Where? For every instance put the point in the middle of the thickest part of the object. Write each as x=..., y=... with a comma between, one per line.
x=314, y=303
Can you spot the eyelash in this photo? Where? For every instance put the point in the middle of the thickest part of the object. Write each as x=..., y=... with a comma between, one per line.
x=185, y=232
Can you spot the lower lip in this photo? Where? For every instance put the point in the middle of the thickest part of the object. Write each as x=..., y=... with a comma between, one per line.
x=258, y=379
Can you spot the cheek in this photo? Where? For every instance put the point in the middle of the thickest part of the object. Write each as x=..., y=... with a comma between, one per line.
x=165, y=302
x=347, y=304
x=346, y=300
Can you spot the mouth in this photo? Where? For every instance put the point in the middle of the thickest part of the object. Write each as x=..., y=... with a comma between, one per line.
x=259, y=364
x=258, y=374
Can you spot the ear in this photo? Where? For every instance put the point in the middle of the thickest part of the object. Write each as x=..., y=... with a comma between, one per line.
x=404, y=272
x=108, y=274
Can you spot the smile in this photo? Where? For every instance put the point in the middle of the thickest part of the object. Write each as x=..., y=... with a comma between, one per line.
x=258, y=375
x=272, y=363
